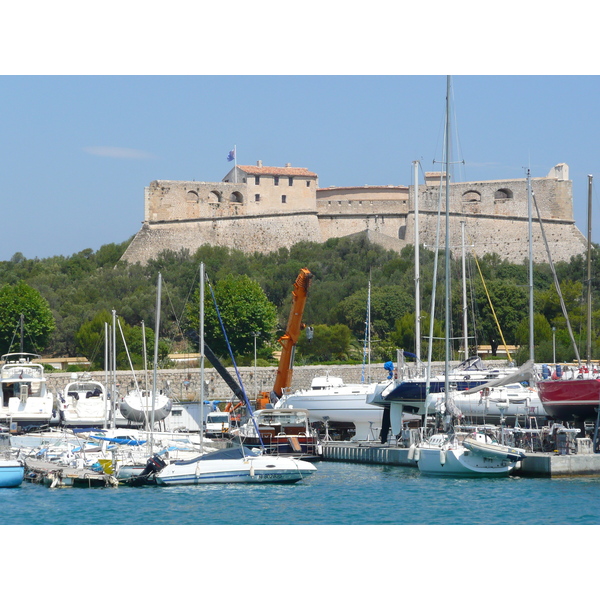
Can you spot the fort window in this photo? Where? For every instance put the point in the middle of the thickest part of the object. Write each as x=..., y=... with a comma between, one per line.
x=471, y=197
x=192, y=196
x=402, y=232
x=290, y=181
x=257, y=179
x=503, y=194
x=276, y=180
x=257, y=197
x=308, y=184
x=236, y=197
x=283, y=199
x=215, y=196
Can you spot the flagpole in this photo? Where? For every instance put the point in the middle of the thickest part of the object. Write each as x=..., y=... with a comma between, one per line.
x=235, y=164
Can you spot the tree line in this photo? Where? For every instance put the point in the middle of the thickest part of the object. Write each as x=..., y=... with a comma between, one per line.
x=66, y=301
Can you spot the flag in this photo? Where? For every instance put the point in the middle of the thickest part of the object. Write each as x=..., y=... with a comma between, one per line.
x=231, y=155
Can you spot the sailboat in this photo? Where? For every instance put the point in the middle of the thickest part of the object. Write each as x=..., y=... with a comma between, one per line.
x=453, y=452
x=569, y=396
x=231, y=465
x=147, y=405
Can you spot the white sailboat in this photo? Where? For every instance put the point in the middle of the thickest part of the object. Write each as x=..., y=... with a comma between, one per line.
x=144, y=405
x=465, y=455
x=453, y=452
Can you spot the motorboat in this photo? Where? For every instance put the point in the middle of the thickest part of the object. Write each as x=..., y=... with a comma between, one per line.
x=460, y=454
x=26, y=401
x=83, y=403
x=335, y=403
x=281, y=431
x=235, y=465
x=12, y=470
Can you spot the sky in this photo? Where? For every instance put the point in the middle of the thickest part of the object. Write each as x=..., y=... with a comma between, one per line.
x=86, y=126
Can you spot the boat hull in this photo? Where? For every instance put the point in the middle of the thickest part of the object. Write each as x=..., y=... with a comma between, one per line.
x=12, y=473
x=347, y=404
x=455, y=462
x=262, y=469
x=570, y=399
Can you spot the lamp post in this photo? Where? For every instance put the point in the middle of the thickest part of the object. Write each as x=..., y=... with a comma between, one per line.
x=255, y=334
x=554, y=345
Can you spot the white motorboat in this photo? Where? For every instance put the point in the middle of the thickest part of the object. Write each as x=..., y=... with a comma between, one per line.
x=331, y=401
x=235, y=465
x=26, y=401
x=462, y=455
x=83, y=403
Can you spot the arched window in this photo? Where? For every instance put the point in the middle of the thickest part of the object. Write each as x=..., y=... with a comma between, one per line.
x=236, y=197
x=471, y=196
x=192, y=196
x=215, y=196
x=503, y=194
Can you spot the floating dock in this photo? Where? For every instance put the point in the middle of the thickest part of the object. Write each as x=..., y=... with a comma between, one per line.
x=535, y=464
x=55, y=475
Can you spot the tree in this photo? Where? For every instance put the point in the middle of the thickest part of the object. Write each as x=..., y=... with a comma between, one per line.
x=244, y=309
x=328, y=343
x=38, y=322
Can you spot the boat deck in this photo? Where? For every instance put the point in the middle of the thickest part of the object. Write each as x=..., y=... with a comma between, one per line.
x=535, y=464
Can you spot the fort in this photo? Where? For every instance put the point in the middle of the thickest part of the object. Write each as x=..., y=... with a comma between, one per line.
x=262, y=209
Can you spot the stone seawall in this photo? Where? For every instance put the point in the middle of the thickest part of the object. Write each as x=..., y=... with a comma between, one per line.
x=184, y=384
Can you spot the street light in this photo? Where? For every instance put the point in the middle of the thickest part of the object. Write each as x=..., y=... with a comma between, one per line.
x=255, y=334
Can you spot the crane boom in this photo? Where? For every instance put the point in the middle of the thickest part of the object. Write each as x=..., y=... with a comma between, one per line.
x=289, y=339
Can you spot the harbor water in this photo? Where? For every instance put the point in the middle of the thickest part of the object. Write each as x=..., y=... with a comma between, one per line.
x=349, y=528
x=338, y=493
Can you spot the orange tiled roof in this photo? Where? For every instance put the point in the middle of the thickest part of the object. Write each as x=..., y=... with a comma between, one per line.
x=254, y=170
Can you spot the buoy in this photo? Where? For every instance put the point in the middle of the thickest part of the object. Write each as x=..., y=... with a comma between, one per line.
x=442, y=457
x=251, y=470
x=411, y=452
x=417, y=454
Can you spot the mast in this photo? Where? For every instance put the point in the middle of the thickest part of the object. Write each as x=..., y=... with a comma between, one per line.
x=106, y=369
x=201, y=331
x=158, y=291
x=464, y=290
x=589, y=274
x=530, y=235
x=114, y=369
x=447, y=249
x=417, y=273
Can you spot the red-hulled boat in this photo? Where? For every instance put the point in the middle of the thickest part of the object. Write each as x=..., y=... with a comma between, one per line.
x=570, y=399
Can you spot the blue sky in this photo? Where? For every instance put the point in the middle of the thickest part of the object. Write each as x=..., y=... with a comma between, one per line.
x=79, y=141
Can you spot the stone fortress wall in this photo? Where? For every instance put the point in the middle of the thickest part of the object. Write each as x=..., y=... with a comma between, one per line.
x=262, y=209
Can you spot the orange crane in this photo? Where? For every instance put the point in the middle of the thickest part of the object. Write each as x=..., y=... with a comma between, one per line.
x=289, y=340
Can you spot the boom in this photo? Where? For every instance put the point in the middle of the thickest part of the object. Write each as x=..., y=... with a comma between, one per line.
x=289, y=339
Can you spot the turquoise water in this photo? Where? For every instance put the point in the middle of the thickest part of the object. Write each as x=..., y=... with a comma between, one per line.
x=338, y=494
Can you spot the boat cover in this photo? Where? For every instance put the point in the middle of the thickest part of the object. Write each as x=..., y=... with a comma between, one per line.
x=227, y=454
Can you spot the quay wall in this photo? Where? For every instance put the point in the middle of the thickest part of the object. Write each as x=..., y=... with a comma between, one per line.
x=535, y=464
x=184, y=383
